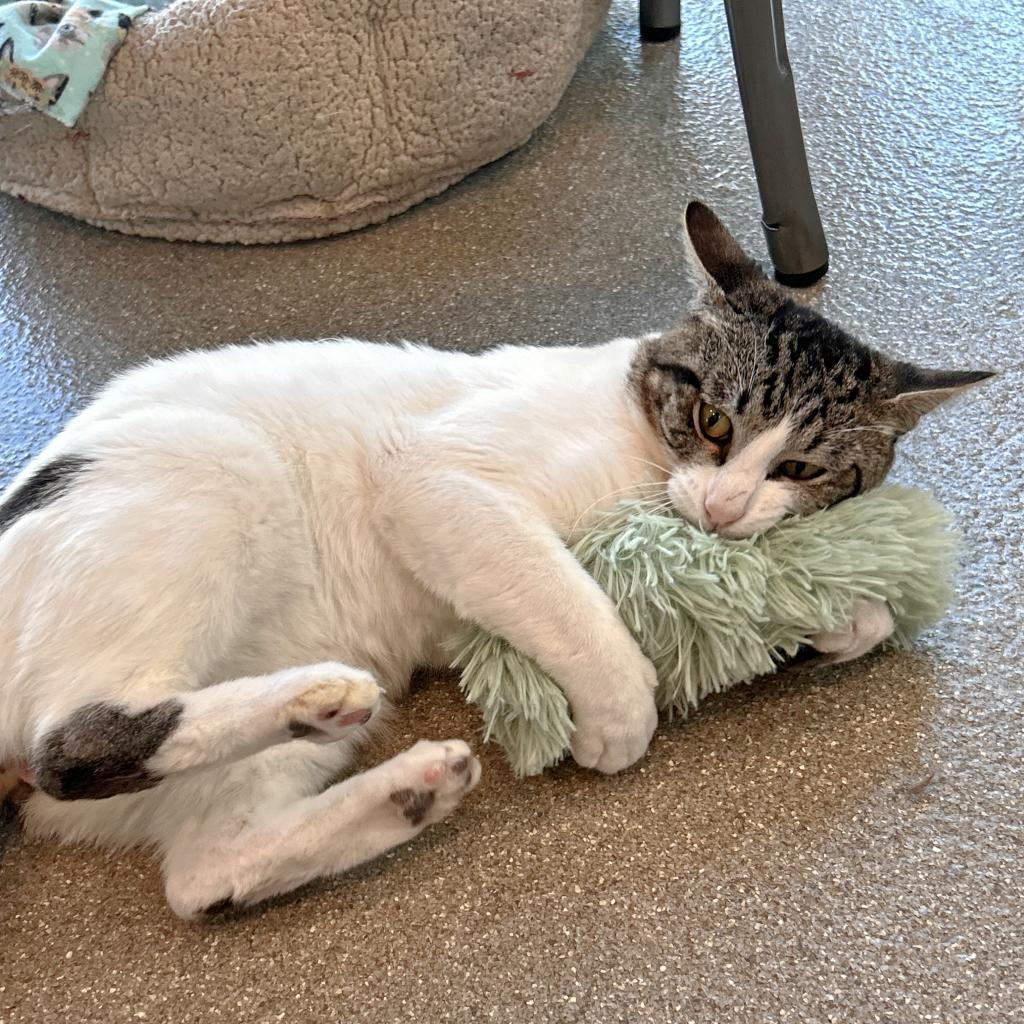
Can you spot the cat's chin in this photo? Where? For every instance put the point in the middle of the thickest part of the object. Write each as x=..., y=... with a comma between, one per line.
x=742, y=530
x=748, y=526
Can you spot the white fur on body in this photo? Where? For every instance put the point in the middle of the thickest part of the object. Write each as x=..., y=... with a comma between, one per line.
x=250, y=510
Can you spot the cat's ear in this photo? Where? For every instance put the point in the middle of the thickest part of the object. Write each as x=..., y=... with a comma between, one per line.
x=716, y=259
x=55, y=85
x=914, y=391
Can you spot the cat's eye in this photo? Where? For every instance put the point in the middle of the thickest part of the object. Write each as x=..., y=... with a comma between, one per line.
x=714, y=424
x=793, y=469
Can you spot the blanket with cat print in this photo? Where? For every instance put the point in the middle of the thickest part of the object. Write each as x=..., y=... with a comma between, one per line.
x=53, y=55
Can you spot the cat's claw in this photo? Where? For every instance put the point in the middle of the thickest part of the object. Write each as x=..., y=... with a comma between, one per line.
x=871, y=623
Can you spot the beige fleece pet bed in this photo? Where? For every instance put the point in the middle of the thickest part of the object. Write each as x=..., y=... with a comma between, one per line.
x=275, y=120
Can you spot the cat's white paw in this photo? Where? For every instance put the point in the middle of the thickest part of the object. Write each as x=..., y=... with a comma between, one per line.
x=614, y=728
x=428, y=781
x=330, y=699
x=870, y=623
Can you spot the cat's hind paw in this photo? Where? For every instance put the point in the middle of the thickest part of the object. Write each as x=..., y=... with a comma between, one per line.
x=332, y=699
x=871, y=623
x=430, y=779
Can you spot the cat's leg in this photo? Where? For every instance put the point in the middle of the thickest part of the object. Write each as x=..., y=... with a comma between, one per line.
x=105, y=748
x=497, y=562
x=179, y=547
x=269, y=840
x=870, y=624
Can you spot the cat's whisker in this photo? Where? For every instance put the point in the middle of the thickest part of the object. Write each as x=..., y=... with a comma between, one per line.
x=610, y=494
x=646, y=462
x=656, y=465
x=878, y=429
x=665, y=506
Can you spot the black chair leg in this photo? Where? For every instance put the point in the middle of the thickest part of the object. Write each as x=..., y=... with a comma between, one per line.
x=659, y=20
x=792, y=225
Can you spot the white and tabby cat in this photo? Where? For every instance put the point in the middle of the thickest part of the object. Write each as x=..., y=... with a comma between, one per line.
x=213, y=579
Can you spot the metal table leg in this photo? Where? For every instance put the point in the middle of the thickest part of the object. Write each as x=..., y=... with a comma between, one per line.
x=790, y=219
x=659, y=20
x=792, y=225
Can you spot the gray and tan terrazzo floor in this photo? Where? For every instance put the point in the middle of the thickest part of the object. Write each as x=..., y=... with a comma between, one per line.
x=845, y=847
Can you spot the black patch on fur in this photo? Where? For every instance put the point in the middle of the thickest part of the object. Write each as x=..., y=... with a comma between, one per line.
x=45, y=485
x=414, y=805
x=684, y=376
x=741, y=400
x=297, y=730
x=101, y=751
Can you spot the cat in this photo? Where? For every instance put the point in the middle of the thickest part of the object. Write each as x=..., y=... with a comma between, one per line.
x=218, y=576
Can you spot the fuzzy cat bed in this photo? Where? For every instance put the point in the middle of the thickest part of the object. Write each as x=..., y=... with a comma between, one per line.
x=275, y=120
x=711, y=613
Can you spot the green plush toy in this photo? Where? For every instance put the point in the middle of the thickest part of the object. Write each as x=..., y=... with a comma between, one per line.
x=711, y=613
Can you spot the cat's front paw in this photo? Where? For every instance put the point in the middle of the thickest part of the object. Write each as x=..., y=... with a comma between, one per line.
x=870, y=623
x=614, y=727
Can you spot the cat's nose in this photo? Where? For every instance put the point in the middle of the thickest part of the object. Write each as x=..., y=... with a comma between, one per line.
x=724, y=510
x=717, y=518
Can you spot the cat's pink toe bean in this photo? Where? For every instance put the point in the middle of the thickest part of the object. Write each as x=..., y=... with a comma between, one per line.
x=362, y=715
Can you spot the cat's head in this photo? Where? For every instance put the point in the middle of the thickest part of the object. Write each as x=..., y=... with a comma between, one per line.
x=766, y=408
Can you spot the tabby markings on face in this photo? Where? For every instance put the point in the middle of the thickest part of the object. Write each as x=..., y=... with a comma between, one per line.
x=767, y=408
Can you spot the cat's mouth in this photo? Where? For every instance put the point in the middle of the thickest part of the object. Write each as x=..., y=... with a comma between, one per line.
x=753, y=522
x=755, y=510
x=742, y=529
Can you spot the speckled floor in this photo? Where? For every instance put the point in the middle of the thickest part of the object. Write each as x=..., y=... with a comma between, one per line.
x=844, y=847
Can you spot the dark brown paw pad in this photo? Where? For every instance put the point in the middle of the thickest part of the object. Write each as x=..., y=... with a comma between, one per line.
x=414, y=804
